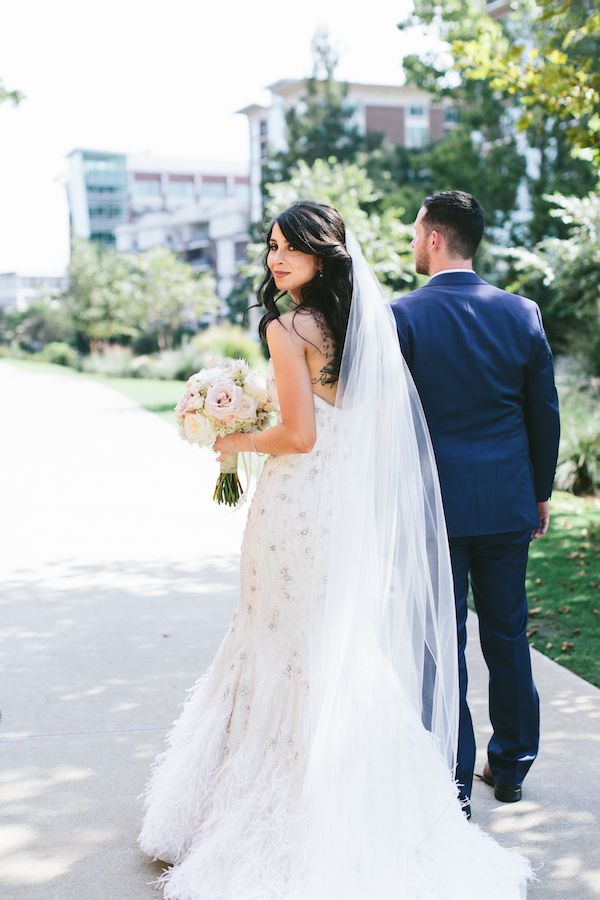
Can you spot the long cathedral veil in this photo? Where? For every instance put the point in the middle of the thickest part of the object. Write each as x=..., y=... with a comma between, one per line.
x=382, y=632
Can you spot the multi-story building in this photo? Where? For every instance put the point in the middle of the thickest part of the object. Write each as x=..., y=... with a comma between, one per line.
x=106, y=190
x=197, y=208
x=19, y=290
x=97, y=192
x=403, y=114
x=210, y=236
x=167, y=185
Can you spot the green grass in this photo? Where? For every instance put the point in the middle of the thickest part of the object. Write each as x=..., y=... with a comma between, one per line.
x=563, y=578
x=157, y=395
x=563, y=586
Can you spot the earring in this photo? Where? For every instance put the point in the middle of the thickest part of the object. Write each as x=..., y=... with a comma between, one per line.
x=320, y=273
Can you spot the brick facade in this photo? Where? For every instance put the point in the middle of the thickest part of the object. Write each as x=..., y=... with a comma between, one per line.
x=387, y=120
x=436, y=123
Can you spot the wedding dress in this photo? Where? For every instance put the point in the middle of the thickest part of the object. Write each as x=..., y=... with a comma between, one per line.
x=309, y=761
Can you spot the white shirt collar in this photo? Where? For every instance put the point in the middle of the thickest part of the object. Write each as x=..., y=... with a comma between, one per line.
x=448, y=271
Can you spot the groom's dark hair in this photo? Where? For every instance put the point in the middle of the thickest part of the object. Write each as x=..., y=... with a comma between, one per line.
x=460, y=218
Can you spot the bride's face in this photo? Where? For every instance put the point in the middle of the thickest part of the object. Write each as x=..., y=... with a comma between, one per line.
x=291, y=268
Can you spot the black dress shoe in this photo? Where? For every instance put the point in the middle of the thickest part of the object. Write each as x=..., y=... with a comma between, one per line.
x=506, y=793
x=467, y=810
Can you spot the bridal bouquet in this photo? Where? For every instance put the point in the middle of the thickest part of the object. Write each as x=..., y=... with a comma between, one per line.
x=217, y=402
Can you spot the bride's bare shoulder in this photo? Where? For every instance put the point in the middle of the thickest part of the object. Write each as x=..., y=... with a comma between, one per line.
x=306, y=324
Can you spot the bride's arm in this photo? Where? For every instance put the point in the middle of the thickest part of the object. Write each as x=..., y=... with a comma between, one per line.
x=297, y=431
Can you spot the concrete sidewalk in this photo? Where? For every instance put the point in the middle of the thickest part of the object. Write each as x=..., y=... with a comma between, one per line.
x=119, y=576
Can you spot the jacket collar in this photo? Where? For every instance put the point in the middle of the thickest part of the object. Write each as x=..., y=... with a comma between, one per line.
x=450, y=278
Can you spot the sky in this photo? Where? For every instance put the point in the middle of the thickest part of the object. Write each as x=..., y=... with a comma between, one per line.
x=161, y=77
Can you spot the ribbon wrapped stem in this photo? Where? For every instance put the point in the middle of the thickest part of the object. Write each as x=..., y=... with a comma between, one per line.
x=228, y=489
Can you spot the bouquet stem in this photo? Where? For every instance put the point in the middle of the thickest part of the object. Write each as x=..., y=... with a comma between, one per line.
x=228, y=488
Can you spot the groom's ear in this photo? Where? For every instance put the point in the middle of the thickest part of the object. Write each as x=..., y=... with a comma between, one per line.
x=435, y=238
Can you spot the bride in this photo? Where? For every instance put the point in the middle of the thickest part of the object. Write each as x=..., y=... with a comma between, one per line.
x=314, y=759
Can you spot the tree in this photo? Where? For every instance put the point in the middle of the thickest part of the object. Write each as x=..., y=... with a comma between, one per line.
x=491, y=170
x=40, y=324
x=545, y=60
x=116, y=296
x=564, y=275
x=321, y=124
x=384, y=238
x=170, y=294
x=101, y=299
x=481, y=153
x=463, y=63
x=6, y=96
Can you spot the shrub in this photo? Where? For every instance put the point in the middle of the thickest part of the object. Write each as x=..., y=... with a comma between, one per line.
x=13, y=351
x=113, y=360
x=562, y=275
x=227, y=342
x=209, y=348
x=60, y=354
x=578, y=468
x=170, y=364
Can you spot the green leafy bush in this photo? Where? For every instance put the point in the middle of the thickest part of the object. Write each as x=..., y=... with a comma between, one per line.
x=60, y=354
x=227, y=342
x=115, y=360
x=208, y=348
x=578, y=468
x=168, y=365
x=563, y=274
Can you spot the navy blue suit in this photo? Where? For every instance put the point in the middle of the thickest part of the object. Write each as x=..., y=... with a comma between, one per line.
x=483, y=369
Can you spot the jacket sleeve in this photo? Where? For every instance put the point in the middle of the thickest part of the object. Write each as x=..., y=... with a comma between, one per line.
x=404, y=332
x=541, y=413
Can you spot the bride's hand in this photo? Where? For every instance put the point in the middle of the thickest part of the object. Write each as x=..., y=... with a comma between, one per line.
x=228, y=445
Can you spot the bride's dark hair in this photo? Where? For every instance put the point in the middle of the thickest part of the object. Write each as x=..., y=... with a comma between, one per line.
x=315, y=228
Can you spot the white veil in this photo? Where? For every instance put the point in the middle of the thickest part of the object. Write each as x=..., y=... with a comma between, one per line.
x=382, y=634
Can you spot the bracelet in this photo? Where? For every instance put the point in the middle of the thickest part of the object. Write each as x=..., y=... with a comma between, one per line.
x=252, y=442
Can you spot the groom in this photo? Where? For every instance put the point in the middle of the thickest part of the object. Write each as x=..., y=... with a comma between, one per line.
x=483, y=368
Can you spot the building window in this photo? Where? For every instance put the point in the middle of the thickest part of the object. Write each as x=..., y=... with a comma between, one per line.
x=102, y=165
x=199, y=256
x=240, y=251
x=199, y=231
x=417, y=135
x=181, y=188
x=451, y=115
x=214, y=189
x=105, y=212
x=263, y=140
x=104, y=188
x=147, y=187
x=103, y=237
x=417, y=112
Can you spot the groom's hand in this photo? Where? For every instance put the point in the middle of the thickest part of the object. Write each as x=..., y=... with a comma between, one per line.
x=544, y=514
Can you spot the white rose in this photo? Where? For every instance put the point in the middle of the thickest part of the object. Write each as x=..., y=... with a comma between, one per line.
x=238, y=367
x=256, y=387
x=198, y=430
x=247, y=410
x=201, y=380
x=194, y=402
x=223, y=400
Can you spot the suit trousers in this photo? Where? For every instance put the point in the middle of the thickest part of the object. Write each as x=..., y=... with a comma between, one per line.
x=496, y=565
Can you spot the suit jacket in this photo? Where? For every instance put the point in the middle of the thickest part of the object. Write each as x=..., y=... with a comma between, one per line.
x=483, y=369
